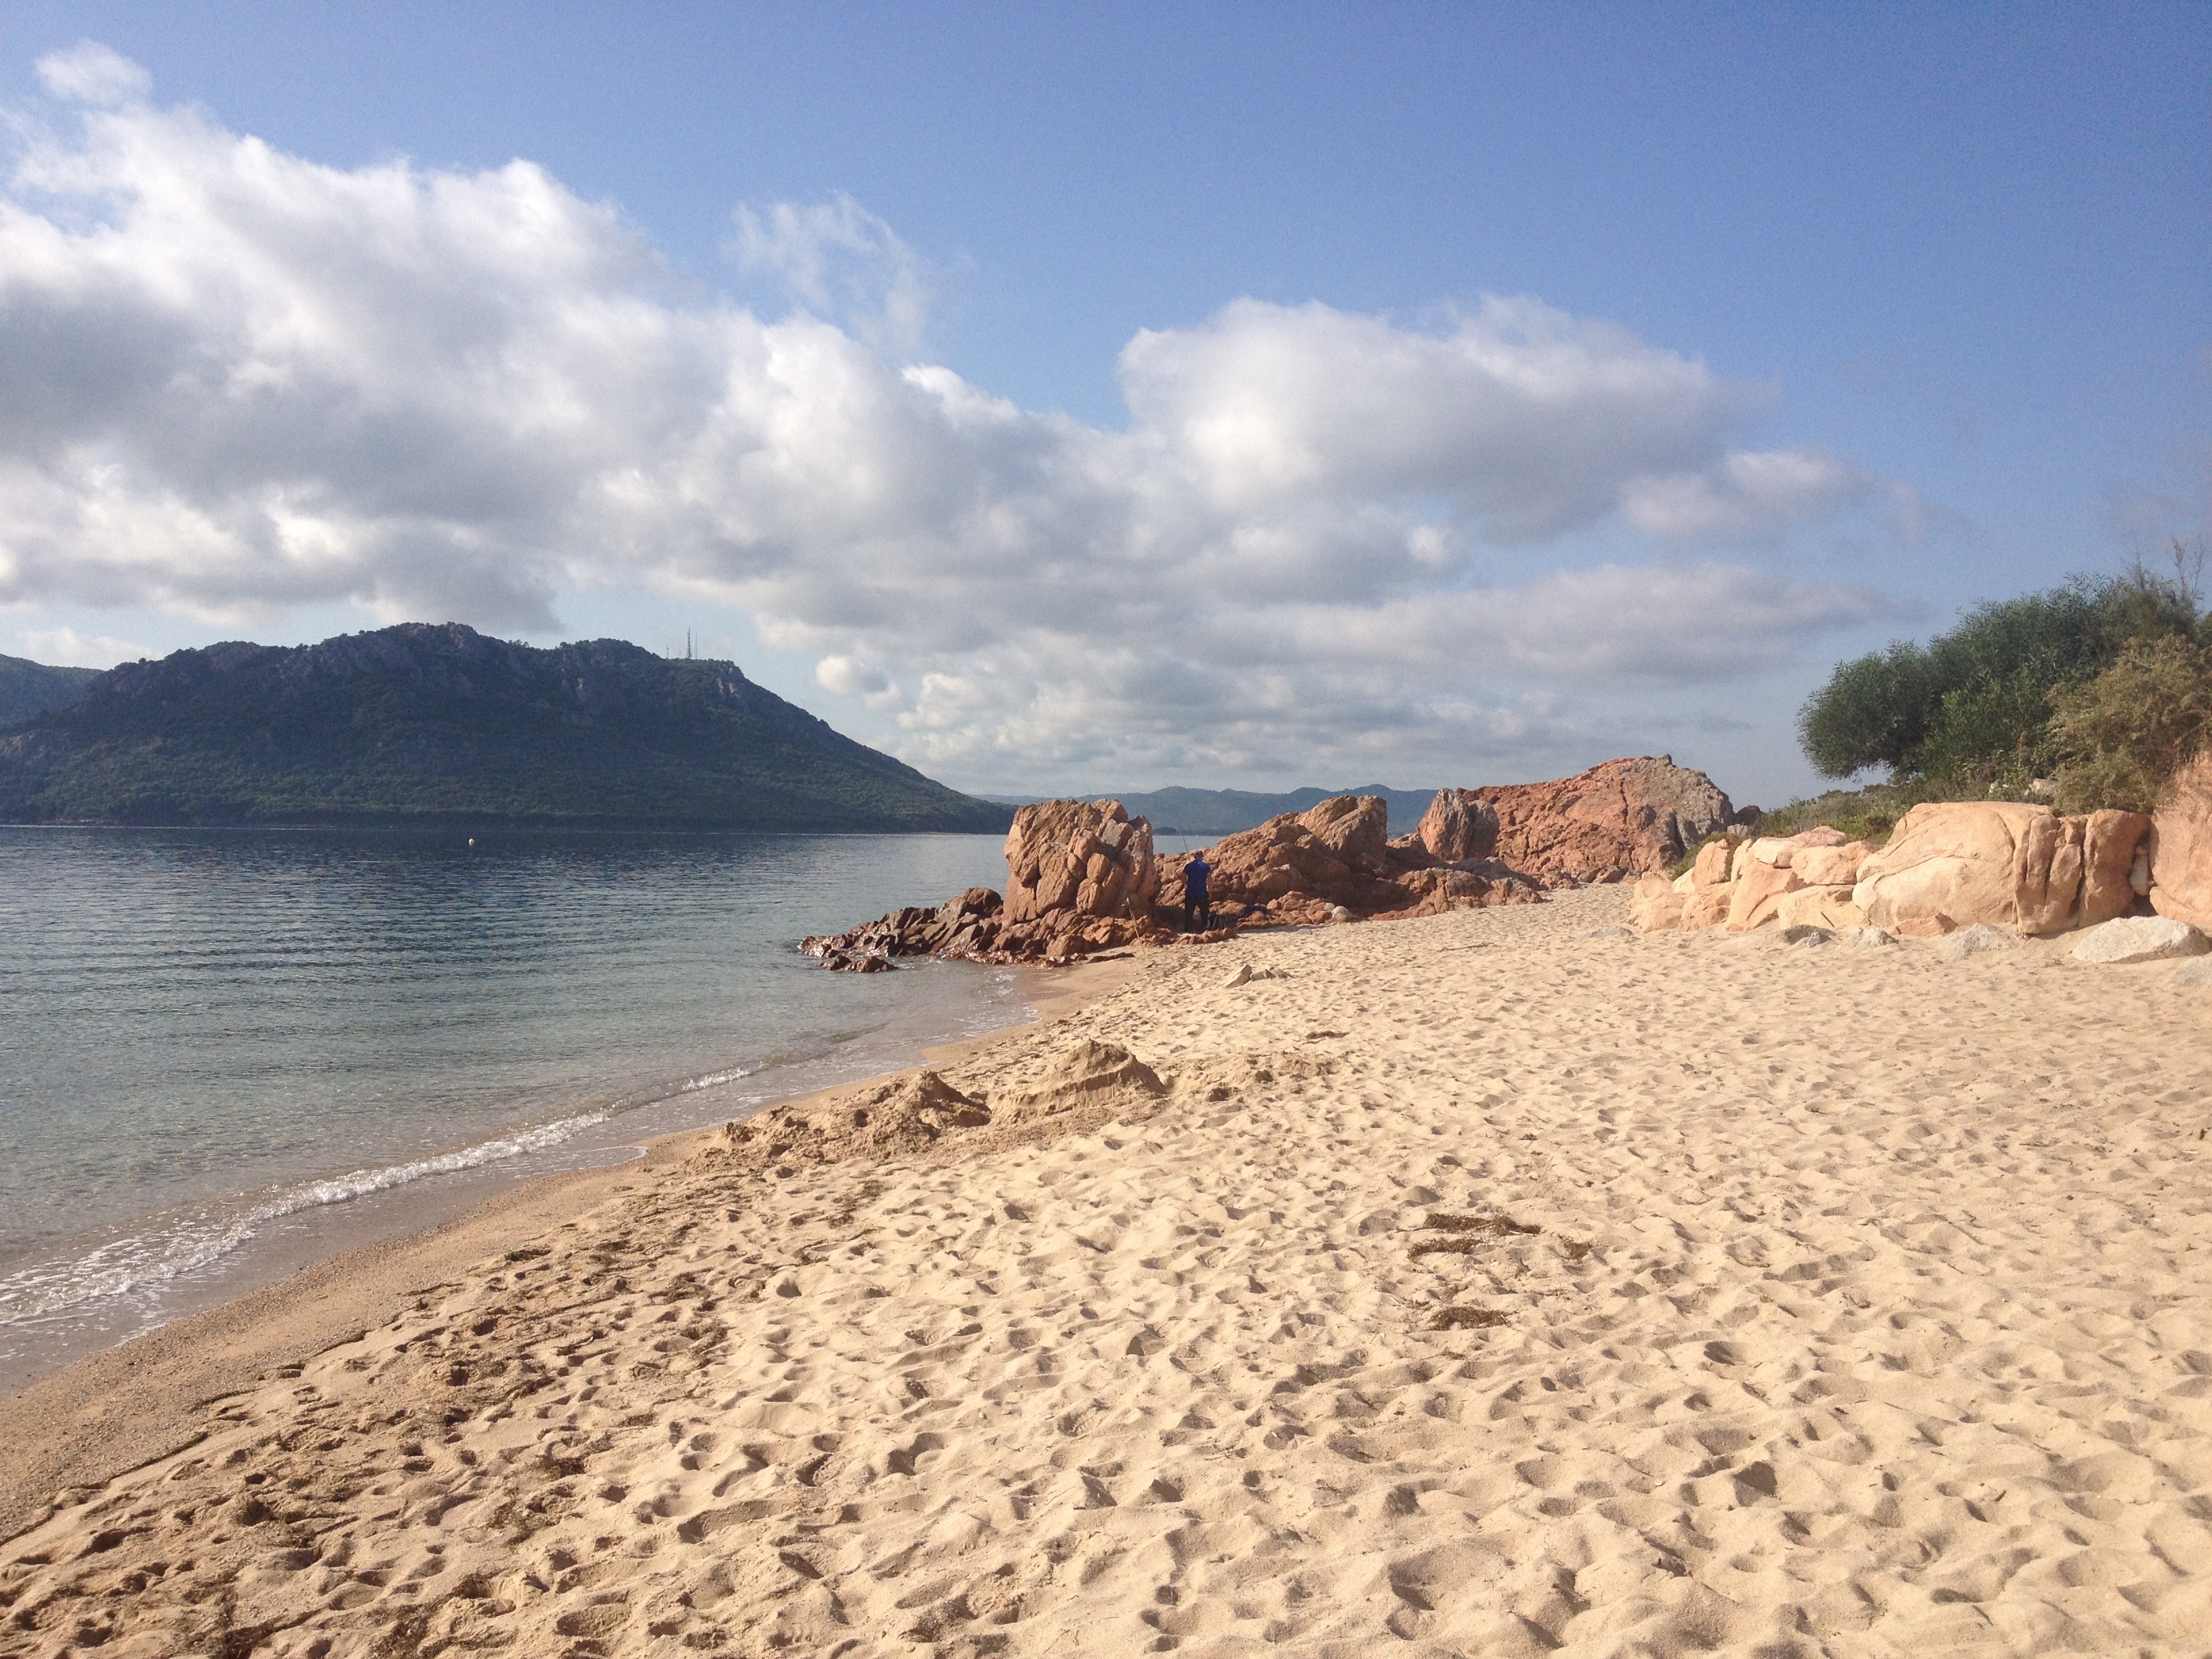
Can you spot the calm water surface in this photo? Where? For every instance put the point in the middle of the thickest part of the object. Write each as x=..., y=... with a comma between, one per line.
x=224, y=1053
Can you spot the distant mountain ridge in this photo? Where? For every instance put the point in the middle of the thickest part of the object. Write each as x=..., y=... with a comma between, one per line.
x=1225, y=811
x=29, y=689
x=426, y=723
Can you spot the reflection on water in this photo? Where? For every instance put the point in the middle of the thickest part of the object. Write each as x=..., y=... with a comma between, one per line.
x=201, y=1032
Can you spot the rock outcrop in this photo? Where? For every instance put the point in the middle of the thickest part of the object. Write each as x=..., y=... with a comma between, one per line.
x=2114, y=847
x=1302, y=868
x=2180, y=843
x=2073, y=872
x=1081, y=877
x=1951, y=864
x=964, y=927
x=1612, y=822
x=1082, y=859
x=1459, y=825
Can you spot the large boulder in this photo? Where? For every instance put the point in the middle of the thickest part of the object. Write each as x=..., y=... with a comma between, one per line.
x=1655, y=907
x=1831, y=865
x=1828, y=907
x=1949, y=866
x=1459, y=825
x=1286, y=868
x=1430, y=891
x=1758, y=894
x=1711, y=868
x=1085, y=859
x=1614, y=822
x=2073, y=872
x=2180, y=845
x=2047, y=873
x=1707, y=909
x=1355, y=828
x=1080, y=877
x=2111, y=842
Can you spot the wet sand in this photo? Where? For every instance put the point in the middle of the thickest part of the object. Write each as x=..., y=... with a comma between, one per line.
x=1493, y=1283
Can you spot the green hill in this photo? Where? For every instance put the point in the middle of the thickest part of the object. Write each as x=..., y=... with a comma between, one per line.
x=423, y=724
x=31, y=688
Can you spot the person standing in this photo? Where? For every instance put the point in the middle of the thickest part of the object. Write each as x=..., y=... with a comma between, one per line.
x=1197, y=901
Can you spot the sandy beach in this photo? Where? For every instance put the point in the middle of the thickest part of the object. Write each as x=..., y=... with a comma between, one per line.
x=1500, y=1282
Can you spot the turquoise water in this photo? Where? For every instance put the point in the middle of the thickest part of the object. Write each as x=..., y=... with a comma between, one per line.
x=224, y=1052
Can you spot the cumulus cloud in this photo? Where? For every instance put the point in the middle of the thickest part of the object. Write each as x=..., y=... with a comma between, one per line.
x=1746, y=495
x=89, y=73
x=240, y=382
x=843, y=262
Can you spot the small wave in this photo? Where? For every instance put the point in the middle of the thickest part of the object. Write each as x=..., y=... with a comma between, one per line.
x=715, y=1080
x=141, y=1262
x=342, y=1190
x=132, y=1270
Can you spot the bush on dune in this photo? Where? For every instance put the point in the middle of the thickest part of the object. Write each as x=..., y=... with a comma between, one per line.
x=2122, y=735
x=2092, y=684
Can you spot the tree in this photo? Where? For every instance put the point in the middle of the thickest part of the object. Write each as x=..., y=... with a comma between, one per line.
x=1873, y=712
x=1972, y=709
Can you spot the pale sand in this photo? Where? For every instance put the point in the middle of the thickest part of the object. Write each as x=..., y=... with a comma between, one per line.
x=1867, y=1314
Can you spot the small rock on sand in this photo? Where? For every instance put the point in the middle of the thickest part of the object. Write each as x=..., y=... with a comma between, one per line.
x=1246, y=972
x=2140, y=938
x=1971, y=941
x=2195, y=976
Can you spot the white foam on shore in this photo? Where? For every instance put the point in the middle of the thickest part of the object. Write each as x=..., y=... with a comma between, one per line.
x=123, y=1278
x=141, y=1261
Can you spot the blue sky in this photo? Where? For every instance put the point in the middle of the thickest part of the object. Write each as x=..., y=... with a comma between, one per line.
x=1231, y=396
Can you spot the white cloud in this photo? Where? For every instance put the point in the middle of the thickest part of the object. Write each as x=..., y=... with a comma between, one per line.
x=89, y=73
x=1745, y=496
x=841, y=261
x=241, y=382
x=64, y=648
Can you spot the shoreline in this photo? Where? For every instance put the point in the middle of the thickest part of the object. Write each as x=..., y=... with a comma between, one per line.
x=118, y=1408
x=230, y=1055
x=1501, y=1280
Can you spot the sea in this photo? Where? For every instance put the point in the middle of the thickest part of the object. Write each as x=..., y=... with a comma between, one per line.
x=227, y=1054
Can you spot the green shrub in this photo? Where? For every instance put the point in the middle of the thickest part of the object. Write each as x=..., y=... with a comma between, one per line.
x=2122, y=735
x=1869, y=814
x=1969, y=714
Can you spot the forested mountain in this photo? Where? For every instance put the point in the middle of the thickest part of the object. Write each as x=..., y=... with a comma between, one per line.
x=32, y=688
x=425, y=723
